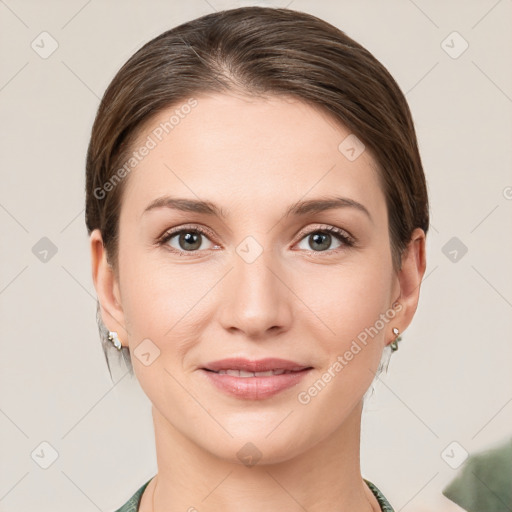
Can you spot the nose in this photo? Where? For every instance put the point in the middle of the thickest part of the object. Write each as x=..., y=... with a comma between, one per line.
x=256, y=298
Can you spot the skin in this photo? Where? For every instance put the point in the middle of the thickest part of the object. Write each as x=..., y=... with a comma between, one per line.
x=254, y=157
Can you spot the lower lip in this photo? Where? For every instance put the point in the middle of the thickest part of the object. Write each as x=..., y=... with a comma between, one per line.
x=255, y=388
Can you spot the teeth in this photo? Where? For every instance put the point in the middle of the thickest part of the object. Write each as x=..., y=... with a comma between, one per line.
x=243, y=373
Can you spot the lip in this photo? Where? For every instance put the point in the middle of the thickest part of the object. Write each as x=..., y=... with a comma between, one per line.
x=254, y=388
x=260, y=365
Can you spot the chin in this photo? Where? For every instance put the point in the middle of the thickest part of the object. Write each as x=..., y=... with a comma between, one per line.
x=258, y=448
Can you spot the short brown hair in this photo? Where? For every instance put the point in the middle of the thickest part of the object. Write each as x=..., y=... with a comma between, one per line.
x=260, y=51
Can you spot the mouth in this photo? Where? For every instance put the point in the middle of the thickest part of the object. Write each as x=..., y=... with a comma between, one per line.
x=250, y=368
x=245, y=374
x=254, y=380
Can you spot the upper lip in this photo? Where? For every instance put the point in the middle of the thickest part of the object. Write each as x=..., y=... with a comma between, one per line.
x=260, y=365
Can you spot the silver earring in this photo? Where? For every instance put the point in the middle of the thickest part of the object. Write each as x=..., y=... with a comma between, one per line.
x=114, y=339
x=394, y=343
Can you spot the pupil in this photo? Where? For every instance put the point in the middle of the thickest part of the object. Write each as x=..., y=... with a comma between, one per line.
x=319, y=238
x=191, y=238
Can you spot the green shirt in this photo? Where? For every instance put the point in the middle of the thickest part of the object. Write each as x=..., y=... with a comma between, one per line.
x=485, y=481
x=132, y=505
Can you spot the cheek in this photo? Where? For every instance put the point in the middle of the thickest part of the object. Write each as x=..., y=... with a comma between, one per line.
x=162, y=301
x=345, y=299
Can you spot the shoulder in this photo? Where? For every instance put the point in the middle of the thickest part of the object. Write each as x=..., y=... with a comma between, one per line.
x=132, y=505
x=484, y=482
x=385, y=506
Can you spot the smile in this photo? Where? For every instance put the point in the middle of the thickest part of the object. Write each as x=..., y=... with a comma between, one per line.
x=243, y=373
x=246, y=385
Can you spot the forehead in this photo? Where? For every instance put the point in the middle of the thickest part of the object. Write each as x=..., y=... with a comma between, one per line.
x=248, y=150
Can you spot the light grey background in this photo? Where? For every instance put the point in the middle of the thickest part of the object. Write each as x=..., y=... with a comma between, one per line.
x=450, y=380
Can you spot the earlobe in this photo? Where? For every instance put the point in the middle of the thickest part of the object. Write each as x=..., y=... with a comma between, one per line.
x=410, y=276
x=107, y=287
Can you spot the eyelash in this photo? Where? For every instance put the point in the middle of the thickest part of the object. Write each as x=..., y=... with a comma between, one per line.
x=341, y=235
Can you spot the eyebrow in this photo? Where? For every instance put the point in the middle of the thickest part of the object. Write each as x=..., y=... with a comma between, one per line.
x=299, y=208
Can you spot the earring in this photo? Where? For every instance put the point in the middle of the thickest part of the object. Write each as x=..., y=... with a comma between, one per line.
x=113, y=338
x=394, y=343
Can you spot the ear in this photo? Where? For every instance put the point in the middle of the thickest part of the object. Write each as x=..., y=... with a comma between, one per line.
x=107, y=288
x=409, y=277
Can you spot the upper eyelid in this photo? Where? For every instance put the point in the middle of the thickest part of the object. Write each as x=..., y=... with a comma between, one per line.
x=203, y=230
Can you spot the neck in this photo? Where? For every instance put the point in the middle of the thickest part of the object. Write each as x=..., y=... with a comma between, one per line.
x=327, y=477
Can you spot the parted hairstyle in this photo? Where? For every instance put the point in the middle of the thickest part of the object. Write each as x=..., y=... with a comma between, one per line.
x=257, y=51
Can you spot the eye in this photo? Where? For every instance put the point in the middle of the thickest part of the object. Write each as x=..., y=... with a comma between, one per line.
x=186, y=239
x=191, y=239
x=320, y=239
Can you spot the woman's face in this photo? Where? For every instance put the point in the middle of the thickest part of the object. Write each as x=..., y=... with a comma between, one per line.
x=258, y=265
